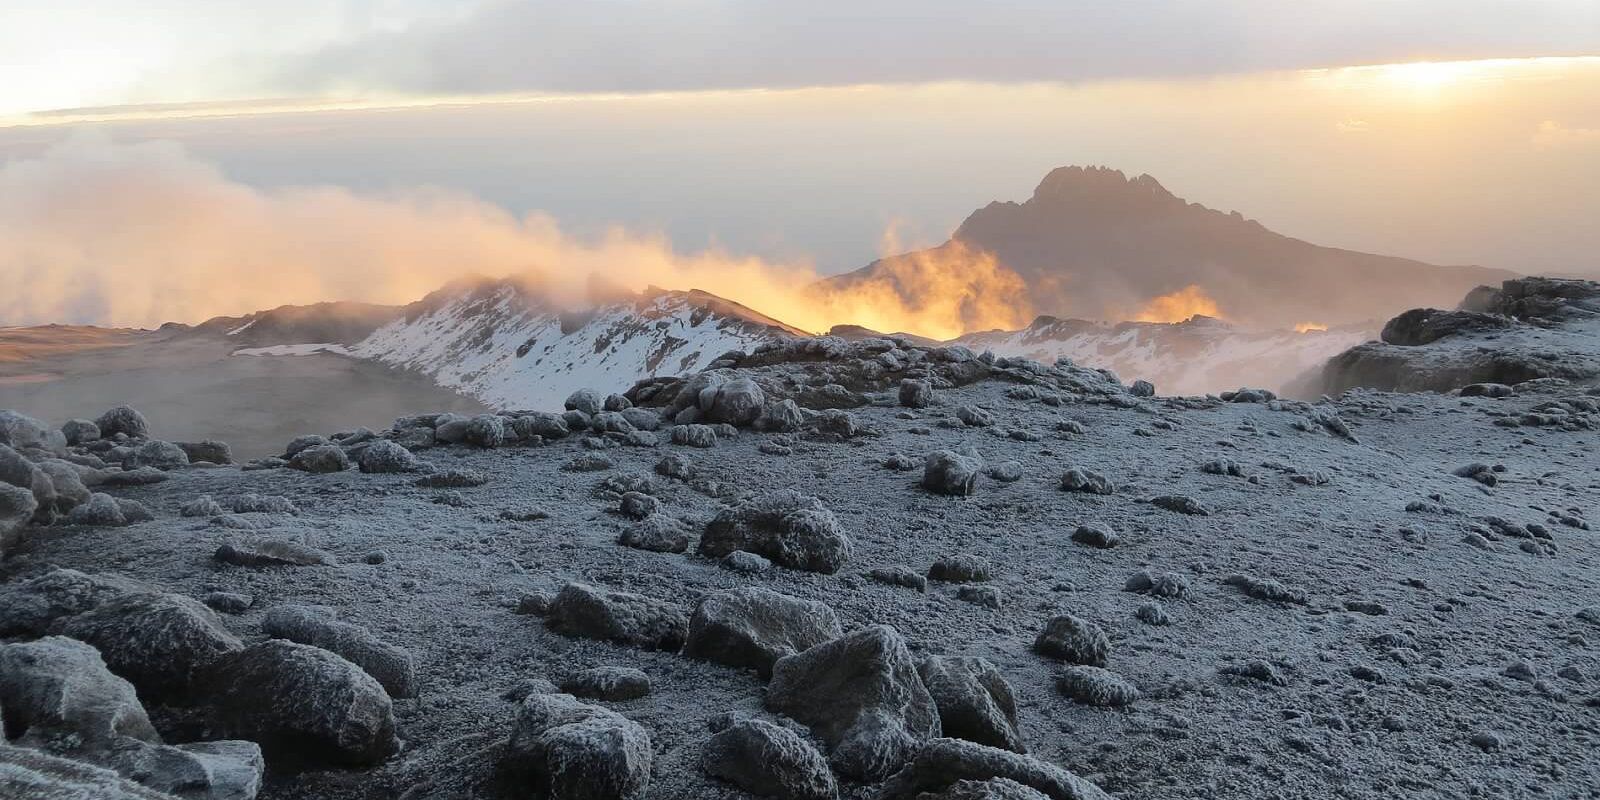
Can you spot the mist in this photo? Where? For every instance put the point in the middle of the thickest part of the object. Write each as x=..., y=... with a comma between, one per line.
x=109, y=233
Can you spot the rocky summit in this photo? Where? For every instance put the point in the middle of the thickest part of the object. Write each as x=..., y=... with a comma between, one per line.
x=834, y=568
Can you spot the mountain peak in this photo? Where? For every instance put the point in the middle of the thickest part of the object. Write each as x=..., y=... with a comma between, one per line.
x=1073, y=184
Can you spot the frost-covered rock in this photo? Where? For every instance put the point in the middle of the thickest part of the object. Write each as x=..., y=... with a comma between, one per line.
x=792, y=529
x=1095, y=686
x=58, y=685
x=621, y=617
x=208, y=450
x=1073, y=640
x=79, y=431
x=753, y=627
x=941, y=763
x=915, y=393
x=565, y=749
x=302, y=703
x=861, y=695
x=390, y=665
x=29, y=607
x=736, y=402
x=1077, y=479
x=694, y=435
x=268, y=551
x=961, y=568
x=948, y=472
x=768, y=760
x=587, y=401
x=974, y=416
x=485, y=430
x=657, y=533
x=163, y=643
x=612, y=684
x=322, y=458
x=123, y=420
x=103, y=510
x=974, y=699
x=300, y=443
x=17, y=506
x=383, y=455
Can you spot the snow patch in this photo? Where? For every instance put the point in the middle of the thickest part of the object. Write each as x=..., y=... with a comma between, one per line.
x=293, y=349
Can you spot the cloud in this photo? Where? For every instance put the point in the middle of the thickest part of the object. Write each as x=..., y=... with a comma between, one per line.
x=634, y=45
x=95, y=231
x=1550, y=133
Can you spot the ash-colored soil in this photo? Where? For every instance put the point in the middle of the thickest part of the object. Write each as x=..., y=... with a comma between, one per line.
x=191, y=389
x=1357, y=716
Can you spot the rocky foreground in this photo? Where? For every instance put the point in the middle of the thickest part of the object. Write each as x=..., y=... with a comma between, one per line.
x=821, y=569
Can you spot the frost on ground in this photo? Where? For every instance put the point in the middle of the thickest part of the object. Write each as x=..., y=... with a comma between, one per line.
x=1301, y=638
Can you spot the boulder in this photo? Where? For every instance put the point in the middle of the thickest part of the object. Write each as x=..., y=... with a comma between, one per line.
x=267, y=551
x=942, y=763
x=570, y=750
x=28, y=608
x=915, y=393
x=207, y=450
x=751, y=628
x=783, y=416
x=391, y=666
x=694, y=435
x=792, y=529
x=485, y=430
x=23, y=432
x=658, y=533
x=861, y=695
x=156, y=453
x=224, y=770
x=608, y=683
x=948, y=472
x=322, y=458
x=123, y=420
x=304, y=704
x=34, y=774
x=737, y=402
x=1095, y=686
x=960, y=568
x=975, y=701
x=1421, y=326
x=17, y=507
x=383, y=456
x=621, y=617
x=543, y=424
x=588, y=401
x=162, y=643
x=768, y=760
x=56, y=685
x=80, y=431
x=1076, y=479
x=17, y=470
x=451, y=428
x=1073, y=640
x=67, y=480
x=103, y=510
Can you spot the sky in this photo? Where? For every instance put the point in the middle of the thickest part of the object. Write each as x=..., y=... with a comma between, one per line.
x=811, y=137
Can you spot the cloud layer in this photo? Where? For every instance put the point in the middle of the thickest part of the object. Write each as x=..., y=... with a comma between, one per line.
x=95, y=231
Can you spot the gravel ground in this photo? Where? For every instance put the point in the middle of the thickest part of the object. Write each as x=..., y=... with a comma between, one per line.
x=1356, y=715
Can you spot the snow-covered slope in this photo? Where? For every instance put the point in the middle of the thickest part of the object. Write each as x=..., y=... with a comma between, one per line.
x=505, y=345
x=1194, y=357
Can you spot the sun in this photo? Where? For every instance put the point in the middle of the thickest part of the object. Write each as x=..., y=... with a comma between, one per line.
x=1428, y=76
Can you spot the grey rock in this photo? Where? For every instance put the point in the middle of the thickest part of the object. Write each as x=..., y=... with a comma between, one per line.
x=746, y=562
x=752, y=628
x=992, y=789
x=942, y=763
x=1142, y=389
x=768, y=760
x=1095, y=686
x=17, y=470
x=1267, y=589
x=1097, y=536
x=608, y=683
x=915, y=393
x=202, y=506
x=57, y=685
x=976, y=417
x=737, y=402
x=67, y=480
x=29, y=607
x=783, y=416
x=610, y=422
x=323, y=458
x=861, y=695
x=485, y=430
x=143, y=476
x=1157, y=584
x=792, y=529
x=899, y=576
x=228, y=602
x=303, y=703
x=252, y=503
x=588, y=401
x=638, y=505
x=80, y=431
x=1073, y=640
x=642, y=419
x=986, y=596
x=591, y=462
x=37, y=775
x=694, y=435
x=1181, y=504
x=264, y=551
x=392, y=666
x=17, y=507
x=1152, y=614
x=947, y=472
x=300, y=443
x=620, y=617
x=960, y=568
x=542, y=424
x=452, y=479
x=123, y=420
x=208, y=450
x=383, y=456
x=103, y=510
x=569, y=750
x=1076, y=479
x=163, y=643
x=658, y=533
x=974, y=699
